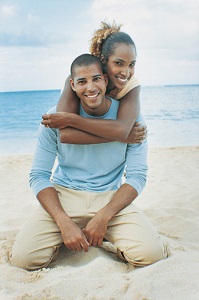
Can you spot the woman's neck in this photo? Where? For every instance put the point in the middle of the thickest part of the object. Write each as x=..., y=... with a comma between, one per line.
x=110, y=87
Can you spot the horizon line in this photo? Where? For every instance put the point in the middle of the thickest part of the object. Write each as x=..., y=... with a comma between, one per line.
x=59, y=89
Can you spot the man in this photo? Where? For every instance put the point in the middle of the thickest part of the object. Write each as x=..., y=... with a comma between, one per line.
x=85, y=201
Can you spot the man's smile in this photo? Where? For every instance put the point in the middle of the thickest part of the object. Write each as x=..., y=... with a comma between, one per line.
x=92, y=96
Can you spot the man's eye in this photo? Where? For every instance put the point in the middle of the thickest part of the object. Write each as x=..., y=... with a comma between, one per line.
x=118, y=63
x=97, y=78
x=81, y=82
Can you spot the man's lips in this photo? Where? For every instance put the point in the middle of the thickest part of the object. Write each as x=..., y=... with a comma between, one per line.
x=92, y=96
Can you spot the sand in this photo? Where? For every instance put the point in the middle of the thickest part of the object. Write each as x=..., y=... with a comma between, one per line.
x=170, y=199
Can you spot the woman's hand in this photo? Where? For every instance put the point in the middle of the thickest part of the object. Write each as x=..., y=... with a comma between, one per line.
x=137, y=135
x=57, y=120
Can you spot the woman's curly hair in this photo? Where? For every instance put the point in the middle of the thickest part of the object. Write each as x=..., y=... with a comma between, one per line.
x=106, y=39
x=100, y=35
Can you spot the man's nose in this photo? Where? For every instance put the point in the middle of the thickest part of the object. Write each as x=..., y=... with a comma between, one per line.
x=90, y=86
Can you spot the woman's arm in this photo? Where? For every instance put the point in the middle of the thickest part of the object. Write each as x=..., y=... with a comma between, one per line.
x=71, y=135
x=68, y=100
x=117, y=129
x=75, y=136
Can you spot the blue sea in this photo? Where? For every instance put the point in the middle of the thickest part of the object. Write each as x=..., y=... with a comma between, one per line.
x=171, y=114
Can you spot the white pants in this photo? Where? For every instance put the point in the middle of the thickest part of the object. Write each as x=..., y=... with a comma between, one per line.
x=129, y=231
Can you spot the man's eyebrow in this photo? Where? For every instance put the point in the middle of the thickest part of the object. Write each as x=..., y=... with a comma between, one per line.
x=80, y=78
x=83, y=78
x=97, y=75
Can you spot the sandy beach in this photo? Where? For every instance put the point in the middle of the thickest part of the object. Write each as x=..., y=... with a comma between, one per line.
x=170, y=199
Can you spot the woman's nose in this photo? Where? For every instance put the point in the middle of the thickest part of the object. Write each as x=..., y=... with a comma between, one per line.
x=125, y=72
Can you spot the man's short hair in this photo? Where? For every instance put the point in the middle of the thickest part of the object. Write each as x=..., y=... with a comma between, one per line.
x=85, y=60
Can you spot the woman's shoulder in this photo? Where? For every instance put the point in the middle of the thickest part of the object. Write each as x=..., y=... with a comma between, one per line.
x=131, y=84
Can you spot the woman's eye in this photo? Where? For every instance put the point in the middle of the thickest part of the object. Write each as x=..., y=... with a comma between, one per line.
x=132, y=64
x=118, y=63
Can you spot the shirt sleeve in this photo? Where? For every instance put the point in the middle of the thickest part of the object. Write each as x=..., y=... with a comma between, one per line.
x=44, y=158
x=136, y=164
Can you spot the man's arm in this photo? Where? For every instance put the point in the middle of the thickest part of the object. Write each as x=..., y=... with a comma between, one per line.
x=43, y=162
x=136, y=173
x=97, y=226
x=73, y=236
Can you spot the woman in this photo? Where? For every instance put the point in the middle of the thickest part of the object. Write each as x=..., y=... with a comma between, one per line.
x=117, y=52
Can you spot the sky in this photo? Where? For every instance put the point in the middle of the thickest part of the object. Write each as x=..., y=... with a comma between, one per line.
x=39, y=39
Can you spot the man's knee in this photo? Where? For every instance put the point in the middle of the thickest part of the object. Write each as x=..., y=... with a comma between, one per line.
x=144, y=255
x=32, y=260
x=23, y=261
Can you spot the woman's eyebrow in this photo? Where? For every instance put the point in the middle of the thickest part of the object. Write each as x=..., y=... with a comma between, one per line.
x=124, y=60
x=120, y=59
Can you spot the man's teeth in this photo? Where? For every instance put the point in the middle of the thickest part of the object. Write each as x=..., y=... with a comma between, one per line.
x=122, y=80
x=92, y=96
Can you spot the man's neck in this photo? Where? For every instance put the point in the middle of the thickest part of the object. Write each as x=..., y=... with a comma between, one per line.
x=99, y=111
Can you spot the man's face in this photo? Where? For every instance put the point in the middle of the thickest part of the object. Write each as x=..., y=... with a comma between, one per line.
x=90, y=83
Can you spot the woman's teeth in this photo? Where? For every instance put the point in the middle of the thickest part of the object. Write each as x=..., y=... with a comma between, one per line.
x=122, y=80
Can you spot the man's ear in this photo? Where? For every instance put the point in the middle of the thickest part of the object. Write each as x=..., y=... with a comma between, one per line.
x=106, y=79
x=72, y=84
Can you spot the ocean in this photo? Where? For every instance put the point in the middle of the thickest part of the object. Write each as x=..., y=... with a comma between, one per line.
x=171, y=114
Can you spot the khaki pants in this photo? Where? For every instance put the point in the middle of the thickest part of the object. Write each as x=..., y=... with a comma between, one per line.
x=129, y=231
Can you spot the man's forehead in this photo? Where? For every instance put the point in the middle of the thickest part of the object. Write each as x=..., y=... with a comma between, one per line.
x=85, y=70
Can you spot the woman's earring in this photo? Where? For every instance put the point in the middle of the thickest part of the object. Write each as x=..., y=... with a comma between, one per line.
x=102, y=58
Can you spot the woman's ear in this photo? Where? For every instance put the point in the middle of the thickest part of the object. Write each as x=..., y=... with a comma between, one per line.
x=72, y=84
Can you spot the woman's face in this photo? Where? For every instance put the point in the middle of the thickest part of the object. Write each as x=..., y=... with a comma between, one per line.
x=121, y=66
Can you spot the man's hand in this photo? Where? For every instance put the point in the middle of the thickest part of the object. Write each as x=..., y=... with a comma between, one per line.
x=73, y=237
x=57, y=120
x=137, y=135
x=96, y=228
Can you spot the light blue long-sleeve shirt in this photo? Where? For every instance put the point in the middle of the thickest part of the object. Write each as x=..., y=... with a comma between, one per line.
x=95, y=167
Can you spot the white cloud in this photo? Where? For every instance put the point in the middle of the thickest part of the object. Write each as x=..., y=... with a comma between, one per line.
x=8, y=10
x=151, y=23
x=39, y=39
x=32, y=18
x=166, y=33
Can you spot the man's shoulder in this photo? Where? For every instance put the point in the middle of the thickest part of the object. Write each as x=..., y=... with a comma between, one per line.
x=114, y=102
x=113, y=107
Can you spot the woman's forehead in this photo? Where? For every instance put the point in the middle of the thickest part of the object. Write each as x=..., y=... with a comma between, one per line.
x=124, y=51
